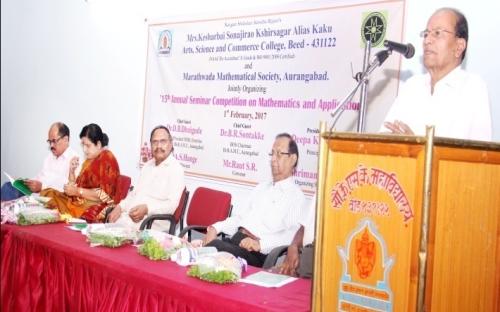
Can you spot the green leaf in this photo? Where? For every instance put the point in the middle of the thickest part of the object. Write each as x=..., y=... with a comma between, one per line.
x=219, y=277
x=107, y=240
x=153, y=250
x=34, y=219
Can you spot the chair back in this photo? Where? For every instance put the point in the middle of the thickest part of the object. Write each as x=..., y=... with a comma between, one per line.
x=181, y=208
x=122, y=187
x=208, y=206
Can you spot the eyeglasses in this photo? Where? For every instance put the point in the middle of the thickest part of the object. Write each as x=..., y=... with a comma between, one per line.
x=279, y=154
x=54, y=141
x=435, y=33
x=159, y=142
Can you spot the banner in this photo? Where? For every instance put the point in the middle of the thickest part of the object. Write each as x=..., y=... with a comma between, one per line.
x=226, y=86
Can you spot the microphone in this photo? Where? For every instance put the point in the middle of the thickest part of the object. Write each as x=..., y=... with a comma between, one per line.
x=408, y=50
x=379, y=58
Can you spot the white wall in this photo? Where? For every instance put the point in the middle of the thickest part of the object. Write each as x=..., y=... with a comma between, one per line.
x=81, y=62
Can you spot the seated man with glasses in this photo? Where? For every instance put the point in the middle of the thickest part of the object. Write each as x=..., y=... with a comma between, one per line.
x=159, y=189
x=55, y=170
x=272, y=216
x=454, y=101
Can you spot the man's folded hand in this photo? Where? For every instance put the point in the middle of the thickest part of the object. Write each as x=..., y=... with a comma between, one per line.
x=250, y=244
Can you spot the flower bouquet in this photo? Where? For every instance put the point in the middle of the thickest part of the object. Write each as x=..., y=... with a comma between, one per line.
x=158, y=245
x=37, y=215
x=221, y=268
x=109, y=235
x=26, y=211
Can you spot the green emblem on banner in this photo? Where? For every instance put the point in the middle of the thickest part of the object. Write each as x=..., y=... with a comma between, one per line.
x=373, y=28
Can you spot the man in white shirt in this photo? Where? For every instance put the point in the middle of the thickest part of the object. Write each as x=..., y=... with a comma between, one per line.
x=454, y=101
x=273, y=214
x=159, y=189
x=55, y=170
x=299, y=256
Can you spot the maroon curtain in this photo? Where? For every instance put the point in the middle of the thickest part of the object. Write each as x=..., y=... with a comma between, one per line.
x=51, y=268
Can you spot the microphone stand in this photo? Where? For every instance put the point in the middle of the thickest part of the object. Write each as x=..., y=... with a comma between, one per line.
x=364, y=90
x=379, y=59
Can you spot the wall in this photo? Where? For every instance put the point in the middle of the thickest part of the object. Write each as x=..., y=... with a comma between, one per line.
x=84, y=61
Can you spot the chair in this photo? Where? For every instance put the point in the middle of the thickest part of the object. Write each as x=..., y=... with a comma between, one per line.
x=207, y=206
x=122, y=187
x=176, y=218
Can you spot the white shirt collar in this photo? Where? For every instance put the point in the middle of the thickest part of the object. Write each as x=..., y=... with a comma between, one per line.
x=453, y=79
x=67, y=153
x=285, y=183
x=167, y=161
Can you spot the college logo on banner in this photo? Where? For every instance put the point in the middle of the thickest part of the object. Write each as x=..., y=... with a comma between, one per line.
x=165, y=43
x=373, y=28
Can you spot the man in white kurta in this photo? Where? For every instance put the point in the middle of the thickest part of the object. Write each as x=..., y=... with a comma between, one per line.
x=55, y=169
x=458, y=107
x=447, y=97
x=159, y=189
x=273, y=214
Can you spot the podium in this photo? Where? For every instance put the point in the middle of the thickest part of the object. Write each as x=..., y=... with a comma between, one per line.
x=407, y=223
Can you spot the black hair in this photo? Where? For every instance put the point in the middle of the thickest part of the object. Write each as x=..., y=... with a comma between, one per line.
x=94, y=133
x=62, y=129
x=159, y=127
x=292, y=146
x=164, y=128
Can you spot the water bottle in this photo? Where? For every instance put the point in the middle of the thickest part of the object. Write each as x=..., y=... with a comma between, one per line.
x=188, y=255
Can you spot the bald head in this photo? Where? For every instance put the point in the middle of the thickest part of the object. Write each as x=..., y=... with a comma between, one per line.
x=443, y=46
x=58, y=138
x=461, y=26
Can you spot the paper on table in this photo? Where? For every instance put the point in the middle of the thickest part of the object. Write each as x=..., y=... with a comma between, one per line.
x=267, y=279
x=74, y=228
x=76, y=220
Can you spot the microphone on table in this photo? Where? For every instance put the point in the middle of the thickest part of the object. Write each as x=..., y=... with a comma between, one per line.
x=408, y=50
